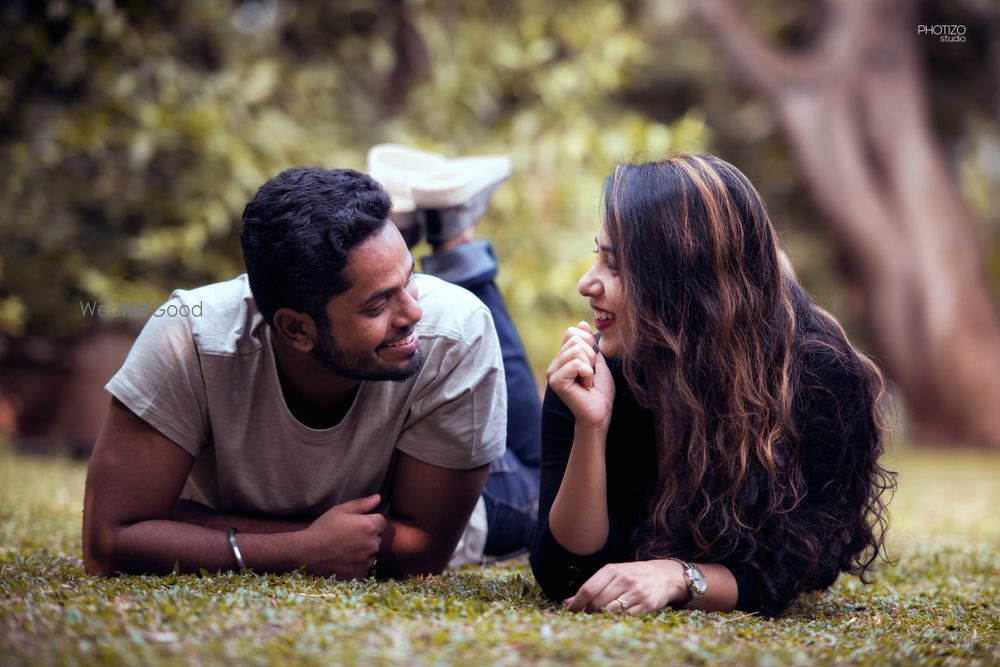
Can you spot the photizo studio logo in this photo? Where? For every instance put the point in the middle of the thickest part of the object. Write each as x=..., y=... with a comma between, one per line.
x=946, y=32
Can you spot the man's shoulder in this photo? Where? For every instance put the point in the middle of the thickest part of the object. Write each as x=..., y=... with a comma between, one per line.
x=222, y=316
x=450, y=311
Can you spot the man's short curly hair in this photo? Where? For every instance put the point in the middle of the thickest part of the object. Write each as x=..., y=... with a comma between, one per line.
x=298, y=232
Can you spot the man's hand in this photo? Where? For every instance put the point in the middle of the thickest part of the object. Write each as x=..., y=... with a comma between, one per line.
x=344, y=541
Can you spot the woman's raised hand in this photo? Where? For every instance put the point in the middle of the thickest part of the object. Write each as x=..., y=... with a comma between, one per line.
x=581, y=378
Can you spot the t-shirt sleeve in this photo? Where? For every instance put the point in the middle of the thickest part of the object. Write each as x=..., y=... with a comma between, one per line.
x=459, y=418
x=161, y=381
x=560, y=572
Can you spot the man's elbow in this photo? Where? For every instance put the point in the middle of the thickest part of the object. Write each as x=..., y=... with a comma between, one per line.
x=415, y=565
x=418, y=561
x=428, y=566
x=99, y=554
x=97, y=564
x=98, y=567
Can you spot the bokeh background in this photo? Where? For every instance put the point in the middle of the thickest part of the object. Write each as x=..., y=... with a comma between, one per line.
x=132, y=134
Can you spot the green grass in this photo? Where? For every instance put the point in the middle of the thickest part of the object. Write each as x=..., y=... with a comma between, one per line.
x=938, y=605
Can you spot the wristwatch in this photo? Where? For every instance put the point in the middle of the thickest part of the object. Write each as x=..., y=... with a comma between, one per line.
x=695, y=579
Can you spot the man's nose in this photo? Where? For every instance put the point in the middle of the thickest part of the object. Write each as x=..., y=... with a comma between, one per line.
x=410, y=312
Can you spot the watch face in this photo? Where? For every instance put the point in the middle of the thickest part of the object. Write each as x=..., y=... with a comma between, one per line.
x=698, y=582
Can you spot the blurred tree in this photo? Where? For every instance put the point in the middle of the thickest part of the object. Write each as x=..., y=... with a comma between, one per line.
x=853, y=104
x=132, y=134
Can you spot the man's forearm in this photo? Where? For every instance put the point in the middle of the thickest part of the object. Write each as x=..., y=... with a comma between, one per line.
x=156, y=546
x=189, y=511
x=197, y=538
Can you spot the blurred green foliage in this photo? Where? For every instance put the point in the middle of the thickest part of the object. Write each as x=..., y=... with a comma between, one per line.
x=132, y=134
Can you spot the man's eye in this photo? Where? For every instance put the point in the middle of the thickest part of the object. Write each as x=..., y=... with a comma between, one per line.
x=377, y=310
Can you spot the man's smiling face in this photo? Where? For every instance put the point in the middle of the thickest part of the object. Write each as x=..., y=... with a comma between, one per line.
x=371, y=332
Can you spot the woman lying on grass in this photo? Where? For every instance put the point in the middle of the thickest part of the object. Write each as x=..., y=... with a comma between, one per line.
x=716, y=445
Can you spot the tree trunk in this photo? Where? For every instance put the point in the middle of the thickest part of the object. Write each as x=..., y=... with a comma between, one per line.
x=855, y=111
x=411, y=56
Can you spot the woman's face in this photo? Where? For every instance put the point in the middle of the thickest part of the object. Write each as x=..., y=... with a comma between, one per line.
x=602, y=287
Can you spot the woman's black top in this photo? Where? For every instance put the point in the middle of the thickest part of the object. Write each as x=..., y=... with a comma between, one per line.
x=632, y=483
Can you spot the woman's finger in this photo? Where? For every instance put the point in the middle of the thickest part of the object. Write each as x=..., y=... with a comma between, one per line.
x=625, y=601
x=574, y=351
x=568, y=374
x=591, y=588
x=579, y=346
x=583, y=331
x=560, y=362
x=610, y=599
x=578, y=340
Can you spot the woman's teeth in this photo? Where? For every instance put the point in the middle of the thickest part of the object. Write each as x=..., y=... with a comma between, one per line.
x=603, y=315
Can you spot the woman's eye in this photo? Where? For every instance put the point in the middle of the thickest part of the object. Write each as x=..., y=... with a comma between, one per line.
x=607, y=262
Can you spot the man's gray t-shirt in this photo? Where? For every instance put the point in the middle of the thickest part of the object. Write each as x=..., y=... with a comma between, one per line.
x=208, y=381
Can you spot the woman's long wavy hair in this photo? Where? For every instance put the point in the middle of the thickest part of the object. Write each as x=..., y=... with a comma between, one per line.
x=769, y=422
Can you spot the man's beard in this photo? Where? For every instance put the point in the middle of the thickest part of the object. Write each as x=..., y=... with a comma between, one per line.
x=358, y=366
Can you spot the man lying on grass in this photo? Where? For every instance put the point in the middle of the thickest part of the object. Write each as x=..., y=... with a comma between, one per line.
x=329, y=410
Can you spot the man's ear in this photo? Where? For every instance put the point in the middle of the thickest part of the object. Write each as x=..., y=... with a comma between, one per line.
x=297, y=329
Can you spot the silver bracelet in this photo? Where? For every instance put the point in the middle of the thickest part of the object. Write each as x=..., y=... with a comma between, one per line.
x=236, y=550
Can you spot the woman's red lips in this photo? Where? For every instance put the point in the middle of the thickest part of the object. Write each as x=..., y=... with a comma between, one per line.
x=602, y=318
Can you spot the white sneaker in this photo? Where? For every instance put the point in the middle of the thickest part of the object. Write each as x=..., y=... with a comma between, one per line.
x=459, y=180
x=445, y=195
x=396, y=166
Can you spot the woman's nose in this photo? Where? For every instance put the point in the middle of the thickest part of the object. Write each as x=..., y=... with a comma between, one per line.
x=588, y=285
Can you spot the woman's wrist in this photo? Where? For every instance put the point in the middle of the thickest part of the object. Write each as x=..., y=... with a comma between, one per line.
x=682, y=595
x=591, y=434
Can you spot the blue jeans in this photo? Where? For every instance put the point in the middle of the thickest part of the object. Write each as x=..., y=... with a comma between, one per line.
x=511, y=492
